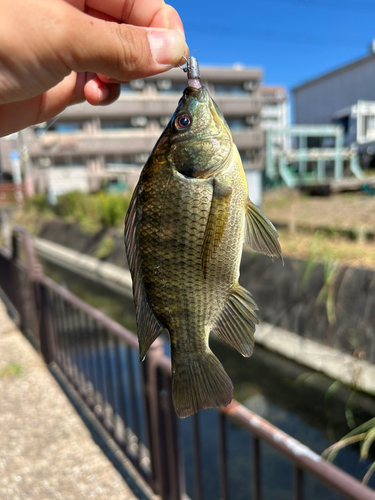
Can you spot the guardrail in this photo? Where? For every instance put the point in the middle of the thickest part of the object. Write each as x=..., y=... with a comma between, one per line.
x=133, y=402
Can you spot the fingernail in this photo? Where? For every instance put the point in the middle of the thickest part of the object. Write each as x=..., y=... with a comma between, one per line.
x=167, y=46
x=103, y=93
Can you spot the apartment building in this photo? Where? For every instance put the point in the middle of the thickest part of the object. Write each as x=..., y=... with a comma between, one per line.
x=88, y=146
x=275, y=112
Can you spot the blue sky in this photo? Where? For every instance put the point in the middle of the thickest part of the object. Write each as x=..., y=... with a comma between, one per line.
x=292, y=40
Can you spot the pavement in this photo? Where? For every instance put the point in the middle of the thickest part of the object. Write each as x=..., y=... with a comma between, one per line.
x=46, y=451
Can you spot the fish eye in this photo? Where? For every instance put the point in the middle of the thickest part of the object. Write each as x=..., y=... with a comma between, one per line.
x=182, y=122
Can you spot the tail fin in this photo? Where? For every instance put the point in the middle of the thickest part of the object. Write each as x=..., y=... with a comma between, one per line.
x=199, y=382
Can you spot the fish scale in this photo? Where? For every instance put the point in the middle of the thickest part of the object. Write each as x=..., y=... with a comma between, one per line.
x=187, y=221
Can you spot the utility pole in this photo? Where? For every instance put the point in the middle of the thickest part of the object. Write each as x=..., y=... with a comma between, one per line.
x=25, y=165
x=15, y=159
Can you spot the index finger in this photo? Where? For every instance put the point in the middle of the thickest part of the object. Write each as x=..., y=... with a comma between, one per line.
x=148, y=13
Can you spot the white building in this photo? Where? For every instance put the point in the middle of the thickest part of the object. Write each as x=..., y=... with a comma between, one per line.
x=275, y=113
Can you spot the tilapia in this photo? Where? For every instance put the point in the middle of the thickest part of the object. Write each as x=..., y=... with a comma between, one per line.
x=184, y=231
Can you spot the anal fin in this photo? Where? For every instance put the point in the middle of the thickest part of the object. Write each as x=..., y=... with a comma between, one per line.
x=260, y=233
x=236, y=324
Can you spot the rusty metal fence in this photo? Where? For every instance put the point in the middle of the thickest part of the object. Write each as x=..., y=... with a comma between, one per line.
x=214, y=455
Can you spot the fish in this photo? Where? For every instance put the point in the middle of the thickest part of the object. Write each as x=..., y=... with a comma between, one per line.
x=187, y=221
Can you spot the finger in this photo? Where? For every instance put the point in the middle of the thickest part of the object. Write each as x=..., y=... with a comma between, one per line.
x=140, y=12
x=119, y=51
x=72, y=90
x=98, y=93
x=18, y=115
x=167, y=17
x=101, y=15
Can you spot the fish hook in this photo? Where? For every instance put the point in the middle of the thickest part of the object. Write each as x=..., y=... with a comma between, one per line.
x=184, y=68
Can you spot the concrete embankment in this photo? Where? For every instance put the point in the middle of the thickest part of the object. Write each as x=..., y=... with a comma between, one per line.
x=114, y=277
x=317, y=356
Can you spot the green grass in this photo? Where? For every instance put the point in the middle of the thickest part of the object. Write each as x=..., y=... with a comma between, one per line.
x=11, y=370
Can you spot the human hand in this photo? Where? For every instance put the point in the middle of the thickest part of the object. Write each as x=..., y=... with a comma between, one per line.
x=54, y=53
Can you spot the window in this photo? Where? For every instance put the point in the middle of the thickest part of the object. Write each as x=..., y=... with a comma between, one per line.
x=369, y=126
x=236, y=123
x=164, y=120
x=63, y=127
x=164, y=84
x=138, y=121
x=69, y=161
x=119, y=162
x=134, y=86
x=167, y=86
x=230, y=88
x=114, y=124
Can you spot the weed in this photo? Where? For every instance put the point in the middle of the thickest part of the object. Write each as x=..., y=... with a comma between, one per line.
x=11, y=370
x=365, y=435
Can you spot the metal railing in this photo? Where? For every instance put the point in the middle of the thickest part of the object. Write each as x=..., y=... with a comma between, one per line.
x=227, y=454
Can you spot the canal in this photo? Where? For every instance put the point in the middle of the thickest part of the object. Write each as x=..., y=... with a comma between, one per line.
x=307, y=405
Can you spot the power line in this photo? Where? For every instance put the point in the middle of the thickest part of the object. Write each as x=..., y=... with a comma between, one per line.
x=337, y=6
x=268, y=35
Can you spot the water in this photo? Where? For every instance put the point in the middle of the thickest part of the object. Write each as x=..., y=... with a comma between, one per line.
x=304, y=404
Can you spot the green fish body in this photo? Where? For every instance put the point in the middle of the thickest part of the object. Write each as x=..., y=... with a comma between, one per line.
x=187, y=221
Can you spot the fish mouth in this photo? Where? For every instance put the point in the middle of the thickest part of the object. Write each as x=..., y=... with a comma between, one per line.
x=200, y=94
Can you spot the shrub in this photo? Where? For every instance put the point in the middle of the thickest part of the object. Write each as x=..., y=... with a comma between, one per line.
x=113, y=208
x=39, y=202
x=93, y=210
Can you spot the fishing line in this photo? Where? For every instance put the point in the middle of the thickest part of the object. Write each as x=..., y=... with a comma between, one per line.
x=26, y=148
x=358, y=8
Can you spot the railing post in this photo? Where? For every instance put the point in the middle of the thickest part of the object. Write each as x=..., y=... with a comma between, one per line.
x=27, y=292
x=46, y=337
x=151, y=405
x=257, y=491
x=16, y=284
x=165, y=452
x=15, y=247
x=298, y=483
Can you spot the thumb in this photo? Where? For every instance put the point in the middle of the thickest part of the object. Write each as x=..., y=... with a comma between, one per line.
x=121, y=51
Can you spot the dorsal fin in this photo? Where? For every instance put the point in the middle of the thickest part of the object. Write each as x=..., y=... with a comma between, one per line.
x=260, y=233
x=148, y=327
x=217, y=219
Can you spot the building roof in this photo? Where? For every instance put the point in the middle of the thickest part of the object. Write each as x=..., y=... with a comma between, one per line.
x=275, y=93
x=220, y=74
x=337, y=71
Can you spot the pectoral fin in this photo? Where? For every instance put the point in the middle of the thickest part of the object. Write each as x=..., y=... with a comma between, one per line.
x=216, y=222
x=148, y=327
x=260, y=233
x=236, y=323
